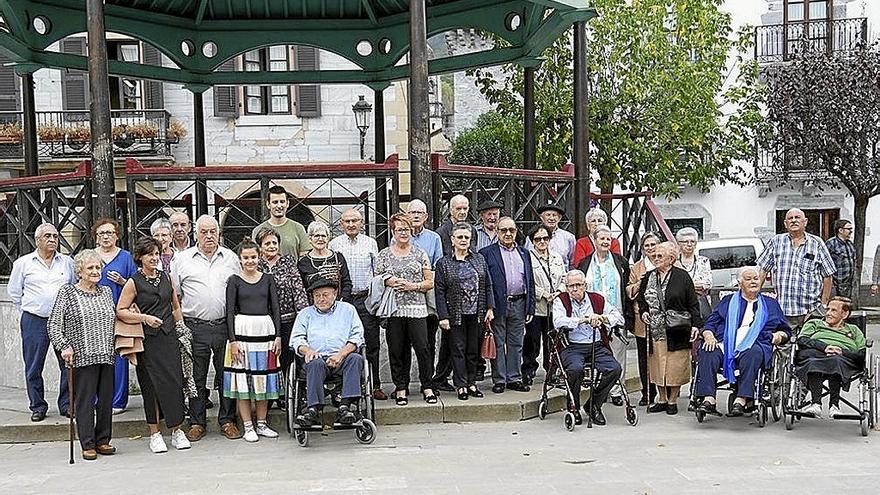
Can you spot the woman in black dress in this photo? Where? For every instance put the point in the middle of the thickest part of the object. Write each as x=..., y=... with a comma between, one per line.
x=159, y=370
x=322, y=263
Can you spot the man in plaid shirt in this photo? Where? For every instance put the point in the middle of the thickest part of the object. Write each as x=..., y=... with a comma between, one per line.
x=802, y=268
x=843, y=252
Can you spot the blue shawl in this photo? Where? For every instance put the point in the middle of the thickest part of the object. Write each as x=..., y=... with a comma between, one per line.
x=731, y=324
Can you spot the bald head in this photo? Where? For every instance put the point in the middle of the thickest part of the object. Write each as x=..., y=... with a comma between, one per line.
x=458, y=208
x=352, y=222
x=795, y=222
x=418, y=213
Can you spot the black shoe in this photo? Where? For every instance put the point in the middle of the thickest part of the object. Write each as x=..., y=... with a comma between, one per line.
x=672, y=409
x=463, y=394
x=38, y=416
x=308, y=418
x=518, y=387
x=66, y=414
x=736, y=410
x=617, y=401
x=282, y=404
x=527, y=380
x=658, y=407
x=578, y=419
x=209, y=404
x=498, y=388
x=443, y=386
x=473, y=391
x=596, y=415
x=643, y=401
x=344, y=416
x=708, y=408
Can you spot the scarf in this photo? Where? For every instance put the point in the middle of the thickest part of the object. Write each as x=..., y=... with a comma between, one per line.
x=731, y=350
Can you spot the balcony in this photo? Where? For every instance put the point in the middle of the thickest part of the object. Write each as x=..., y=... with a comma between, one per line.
x=782, y=42
x=66, y=134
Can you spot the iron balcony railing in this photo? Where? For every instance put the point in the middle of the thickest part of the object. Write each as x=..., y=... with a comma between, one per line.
x=66, y=134
x=782, y=42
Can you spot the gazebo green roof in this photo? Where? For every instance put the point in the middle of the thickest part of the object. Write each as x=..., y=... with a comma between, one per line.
x=199, y=35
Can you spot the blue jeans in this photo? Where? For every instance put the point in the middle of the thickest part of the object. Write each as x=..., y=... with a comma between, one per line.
x=317, y=373
x=34, y=347
x=748, y=364
x=510, y=330
x=120, y=383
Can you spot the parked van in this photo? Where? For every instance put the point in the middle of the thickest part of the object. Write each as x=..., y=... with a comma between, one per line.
x=727, y=256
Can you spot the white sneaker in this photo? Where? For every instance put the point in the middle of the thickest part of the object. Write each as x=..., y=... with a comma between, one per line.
x=813, y=410
x=157, y=443
x=263, y=430
x=250, y=435
x=834, y=412
x=179, y=440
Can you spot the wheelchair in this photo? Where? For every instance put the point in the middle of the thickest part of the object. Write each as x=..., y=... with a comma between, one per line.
x=863, y=409
x=557, y=378
x=365, y=429
x=768, y=387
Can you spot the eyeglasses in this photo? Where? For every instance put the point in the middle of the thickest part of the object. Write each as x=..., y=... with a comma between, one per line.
x=403, y=231
x=462, y=237
x=846, y=228
x=106, y=233
x=319, y=236
x=508, y=230
x=542, y=238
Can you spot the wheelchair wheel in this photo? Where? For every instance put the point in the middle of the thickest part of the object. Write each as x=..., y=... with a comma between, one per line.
x=291, y=399
x=569, y=421
x=774, y=387
x=302, y=437
x=366, y=434
x=761, y=414
x=863, y=425
x=789, y=421
x=730, y=400
x=632, y=416
x=542, y=409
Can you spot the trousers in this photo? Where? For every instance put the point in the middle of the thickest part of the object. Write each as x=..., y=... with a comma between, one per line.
x=94, y=419
x=748, y=365
x=317, y=373
x=208, y=340
x=576, y=357
x=509, y=333
x=34, y=347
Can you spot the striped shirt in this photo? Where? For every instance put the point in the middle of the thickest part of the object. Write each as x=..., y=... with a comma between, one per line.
x=360, y=256
x=483, y=238
x=797, y=272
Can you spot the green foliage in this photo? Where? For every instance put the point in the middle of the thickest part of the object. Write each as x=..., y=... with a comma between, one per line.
x=656, y=76
x=494, y=141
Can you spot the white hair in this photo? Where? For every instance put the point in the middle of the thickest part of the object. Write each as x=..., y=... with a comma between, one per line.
x=575, y=273
x=595, y=212
x=206, y=218
x=686, y=232
x=459, y=198
x=419, y=202
x=160, y=223
x=741, y=273
x=601, y=228
x=316, y=227
x=83, y=257
x=42, y=229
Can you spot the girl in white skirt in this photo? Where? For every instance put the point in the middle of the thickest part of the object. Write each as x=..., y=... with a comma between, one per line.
x=253, y=318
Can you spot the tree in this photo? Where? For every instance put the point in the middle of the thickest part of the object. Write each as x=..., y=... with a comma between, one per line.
x=824, y=110
x=656, y=71
x=494, y=141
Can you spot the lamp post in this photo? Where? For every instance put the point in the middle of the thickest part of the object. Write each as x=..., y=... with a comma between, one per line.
x=362, y=110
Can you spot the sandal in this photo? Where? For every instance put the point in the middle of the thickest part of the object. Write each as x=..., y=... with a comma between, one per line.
x=401, y=400
x=430, y=399
x=463, y=394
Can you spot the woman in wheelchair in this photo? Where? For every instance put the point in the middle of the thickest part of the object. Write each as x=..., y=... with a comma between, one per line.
x=831, y=350
x=738, y=339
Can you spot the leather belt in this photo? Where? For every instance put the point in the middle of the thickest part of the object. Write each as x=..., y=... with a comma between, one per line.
x=208, y=323
x=516, y=297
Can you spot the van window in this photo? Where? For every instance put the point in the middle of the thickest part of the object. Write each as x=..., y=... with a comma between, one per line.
x=730, y=256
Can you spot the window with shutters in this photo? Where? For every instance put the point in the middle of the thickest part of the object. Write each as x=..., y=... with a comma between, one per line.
x=125, y=93
x=10, y=98
x=74, y=83
x=268, y=99
x=308, y=96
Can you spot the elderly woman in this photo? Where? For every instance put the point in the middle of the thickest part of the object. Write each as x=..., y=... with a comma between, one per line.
x=159, y=370
x=586, y=245
x=161, y=231
x=738, y=339
x=548, y=270
x=672, y=315
x=118, y=268
x=410, y=276
x=698, y=267
x=607, y=274
x=322, y=263
x=465, y=301
x=650, y=240
x=81, y=328
x=292, y=296
x=829, y=350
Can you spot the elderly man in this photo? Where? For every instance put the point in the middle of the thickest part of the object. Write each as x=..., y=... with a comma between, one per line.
x=487, y=230
x=293, y=237
x=843, y=253
x=459, y=206
x=180, y=231
x=327, y=335
x=562, y=242
x=360, y=253
x=513, y=287
x=802, y=268
x=581, y=316
x=738, y=339
x=423, y=237
x=35, y=280
x=199, y=276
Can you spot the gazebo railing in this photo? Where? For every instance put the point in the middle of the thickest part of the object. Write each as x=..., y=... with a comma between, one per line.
x=631, y=215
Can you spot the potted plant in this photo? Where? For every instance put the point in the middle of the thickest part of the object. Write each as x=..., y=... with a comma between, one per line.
x=175, y=132
x=10, y=133
x=50, y=133
x=144, y=130
x=78, y=136
x=122, y=135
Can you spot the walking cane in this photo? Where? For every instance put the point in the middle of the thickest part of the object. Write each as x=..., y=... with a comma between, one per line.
x=70, y=410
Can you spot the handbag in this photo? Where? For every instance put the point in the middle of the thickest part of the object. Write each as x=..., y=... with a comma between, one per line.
x=673, y=318
x=487, y=348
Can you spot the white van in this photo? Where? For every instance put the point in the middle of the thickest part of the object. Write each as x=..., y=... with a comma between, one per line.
x=727, y=256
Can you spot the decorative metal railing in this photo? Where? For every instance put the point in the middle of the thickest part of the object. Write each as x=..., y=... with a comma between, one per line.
x=782, y=42
x=630, y=216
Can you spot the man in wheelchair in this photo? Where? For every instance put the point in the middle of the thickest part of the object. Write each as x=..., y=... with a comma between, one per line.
x=582, y=317
x=328, y=335
x=738, y=338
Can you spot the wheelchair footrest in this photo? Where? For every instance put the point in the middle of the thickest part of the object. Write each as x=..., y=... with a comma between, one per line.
x=855, y=417
x=355, y=425
x=314, y=428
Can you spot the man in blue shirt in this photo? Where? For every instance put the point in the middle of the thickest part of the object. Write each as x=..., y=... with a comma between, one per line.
x=35, y=280
x=328, y=335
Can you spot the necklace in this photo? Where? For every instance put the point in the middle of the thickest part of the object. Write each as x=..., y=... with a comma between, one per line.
x=154, y=281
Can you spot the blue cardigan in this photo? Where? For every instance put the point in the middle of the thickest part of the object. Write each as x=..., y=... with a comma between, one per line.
x=492, y=253
x=775, y=322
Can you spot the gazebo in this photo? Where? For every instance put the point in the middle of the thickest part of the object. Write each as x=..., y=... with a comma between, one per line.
x=385, y=39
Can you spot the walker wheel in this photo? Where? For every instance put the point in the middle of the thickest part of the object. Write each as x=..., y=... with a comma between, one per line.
x=789, y=421
x=701, y=416
x=632, y=416
x=569, y=421
x=761, y=414
x=542, y=409
x=366, y=434
x=302, y=438
x=863, y=425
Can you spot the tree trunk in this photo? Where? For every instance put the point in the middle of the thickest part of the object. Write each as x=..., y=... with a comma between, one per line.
x=606, y=186
x=861, y=211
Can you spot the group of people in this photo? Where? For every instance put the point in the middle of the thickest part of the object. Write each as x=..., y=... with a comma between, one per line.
x=174, y=307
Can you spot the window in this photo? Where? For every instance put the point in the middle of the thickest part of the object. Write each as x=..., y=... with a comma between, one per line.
x=725, y=258
x=807, y=22
x=676, y=224
x=820, y=222
x=267, y=100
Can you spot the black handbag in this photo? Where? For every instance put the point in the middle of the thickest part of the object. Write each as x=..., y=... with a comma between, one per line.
x=673, y=318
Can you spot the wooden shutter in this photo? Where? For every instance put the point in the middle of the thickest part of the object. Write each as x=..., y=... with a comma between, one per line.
x=308, y=96
x=226, y=97
x=10, y=100
x=154, y=96
x=74, y=83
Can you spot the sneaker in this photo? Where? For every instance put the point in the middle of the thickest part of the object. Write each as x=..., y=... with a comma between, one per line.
x=344, y=415
x=250, y=435
x=157, y=443
x=834, y=412
x=308, y=418
x=263, y=430
x=179, y=440
x=812, y=410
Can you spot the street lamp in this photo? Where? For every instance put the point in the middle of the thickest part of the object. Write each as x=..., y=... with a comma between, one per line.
x=362, y=110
